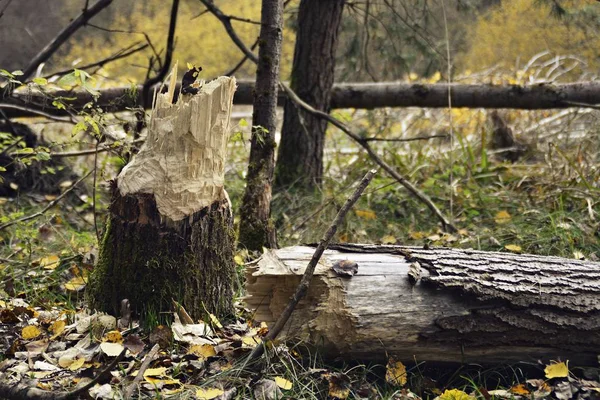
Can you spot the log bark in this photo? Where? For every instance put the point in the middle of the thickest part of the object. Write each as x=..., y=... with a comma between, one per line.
x=300, y=154
x=170, y=229
x=467, y=306
x=256, y=228
x=348, y=95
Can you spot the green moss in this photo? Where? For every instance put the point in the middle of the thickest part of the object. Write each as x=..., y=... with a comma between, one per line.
x=189, y=262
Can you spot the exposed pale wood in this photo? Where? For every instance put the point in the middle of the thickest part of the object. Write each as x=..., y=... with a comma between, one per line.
x=183, y=159
x=469, y=306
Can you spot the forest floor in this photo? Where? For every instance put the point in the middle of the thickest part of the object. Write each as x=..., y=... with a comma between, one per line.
x=545, y=203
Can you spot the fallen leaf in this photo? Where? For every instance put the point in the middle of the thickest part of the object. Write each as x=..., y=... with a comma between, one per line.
x=251, y=341
x=417, y=235
x=556, y=370
x=77, y=364
x=395, y=373
x=202, y=350
x=266, y=389
x=513, y=247
x=345, y=268
x=502, y=217
x=111, y=349
x=455, y=394
x=134, y=344
x=76, y=284
x=283, y=383
x=209, y=393
x=339, y=385
x=519, y=389
x=50, y=262
x=388, y=239
x=366, y=214
x=57, y=328
x=215, y=321
x=155, y=371
x=30, y=332
x=113, y=337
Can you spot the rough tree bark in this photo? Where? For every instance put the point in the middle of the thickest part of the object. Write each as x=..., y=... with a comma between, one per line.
x=256, y=228
x=170, y=229
x=300, y=155
x=468, y=306
x=350, y=95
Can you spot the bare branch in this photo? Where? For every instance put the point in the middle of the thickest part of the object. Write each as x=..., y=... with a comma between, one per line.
x=229, y=28
x=49, y=206
x=51, y=47
x=145, y=364
x=412, y=139
x=120, y=54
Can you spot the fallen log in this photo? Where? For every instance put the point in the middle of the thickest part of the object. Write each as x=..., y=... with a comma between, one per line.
x=345, y=95
x=467, y=306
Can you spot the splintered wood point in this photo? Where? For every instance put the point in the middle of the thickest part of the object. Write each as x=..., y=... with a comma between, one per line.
x=182, y=162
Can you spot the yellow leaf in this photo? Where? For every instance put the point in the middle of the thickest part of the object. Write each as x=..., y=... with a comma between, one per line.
x=209, y=393
x=395, y=373
x=388, y=239
x=155, y=371
x=366, y=214
x=190, y=65
x=455, y=394
x=417, y=235
x=202, y=350
x=215, y=321
x=557, y=370
x=57, y=328
x=76, y=284
x=113, y=337
x=251, y=341
x=30, y=332
x=77, y=364
x=513, y=247
x=520, y=389
x=283, y=383
x=502, y=217
x=50, y=262
x=238, y=260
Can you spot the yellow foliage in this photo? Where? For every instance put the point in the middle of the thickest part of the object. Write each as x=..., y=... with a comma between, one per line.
x=200, y=40
x=512, y=33
x=557, y=370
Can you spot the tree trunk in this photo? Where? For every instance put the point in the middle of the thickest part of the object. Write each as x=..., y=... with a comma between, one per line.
x=349, y=95
x=300, y=156
x=467, y=306
x=170, y=229
x=256, y=229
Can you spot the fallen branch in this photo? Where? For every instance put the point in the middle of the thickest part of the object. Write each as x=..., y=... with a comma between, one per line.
x=49, y=206
x=310, y=269
x=145, y=364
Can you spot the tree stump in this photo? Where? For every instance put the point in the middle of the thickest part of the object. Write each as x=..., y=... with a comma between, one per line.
x=437, y=304
x=170, y=229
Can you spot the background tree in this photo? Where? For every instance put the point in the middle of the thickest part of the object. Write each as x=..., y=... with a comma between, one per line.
x=256, y=229
x=300, y=155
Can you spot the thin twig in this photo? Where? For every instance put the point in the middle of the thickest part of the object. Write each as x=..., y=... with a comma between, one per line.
x=69, y=30
x=242, y=61
x=412, y=139
x=145, y=364
x=49, y=206
x=88, y=152
x=36, y=112
x=4, y=8
x=121, y=54
x=310, y=268
x=402, y=180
